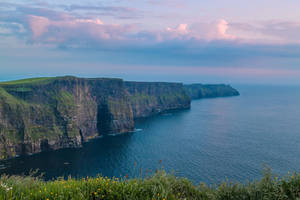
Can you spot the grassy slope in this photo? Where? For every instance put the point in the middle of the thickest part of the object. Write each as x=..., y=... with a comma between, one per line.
x=28, y=81
x=159, y=187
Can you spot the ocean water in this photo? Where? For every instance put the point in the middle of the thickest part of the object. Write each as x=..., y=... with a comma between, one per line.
x=217, y=139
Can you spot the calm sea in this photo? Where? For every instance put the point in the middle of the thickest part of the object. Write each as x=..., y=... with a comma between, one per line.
x=217, y=139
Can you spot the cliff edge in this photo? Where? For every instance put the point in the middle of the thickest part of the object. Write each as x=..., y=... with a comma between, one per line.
x=44, y=114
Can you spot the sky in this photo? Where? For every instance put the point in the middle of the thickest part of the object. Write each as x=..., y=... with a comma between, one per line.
x=216, y=41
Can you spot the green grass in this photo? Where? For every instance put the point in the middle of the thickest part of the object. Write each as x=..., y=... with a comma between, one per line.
x=46, y=80
x=160, y=186
x=40, y=80
x=8, y=98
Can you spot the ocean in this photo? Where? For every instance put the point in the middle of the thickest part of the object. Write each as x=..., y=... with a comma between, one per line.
x=217, y=139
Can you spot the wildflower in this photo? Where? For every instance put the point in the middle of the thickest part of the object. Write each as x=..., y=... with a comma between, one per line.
x=6, y=187
x=293, y=176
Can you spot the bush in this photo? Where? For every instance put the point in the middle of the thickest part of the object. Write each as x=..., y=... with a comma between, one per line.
x=160, y=186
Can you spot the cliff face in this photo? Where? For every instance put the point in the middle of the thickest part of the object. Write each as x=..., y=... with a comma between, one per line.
x=148, y=99
x=52, y=113
x=198, y=91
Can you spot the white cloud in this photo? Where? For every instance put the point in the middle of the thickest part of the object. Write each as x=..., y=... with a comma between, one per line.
x=222, y=27
x=67, y=29
x=216, y=30
x=180, y=29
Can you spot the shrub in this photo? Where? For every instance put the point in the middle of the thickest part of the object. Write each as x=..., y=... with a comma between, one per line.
x=159, y=186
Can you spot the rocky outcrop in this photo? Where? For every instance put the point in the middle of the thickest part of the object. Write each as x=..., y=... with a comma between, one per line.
x=51, y=113
x=198, y=91
x=148, y=99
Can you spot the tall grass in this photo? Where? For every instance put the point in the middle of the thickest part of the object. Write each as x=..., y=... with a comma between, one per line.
x=160, y=186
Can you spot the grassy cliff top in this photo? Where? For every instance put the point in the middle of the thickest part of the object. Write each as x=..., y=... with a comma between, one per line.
x=40, y=80
x=46, y=80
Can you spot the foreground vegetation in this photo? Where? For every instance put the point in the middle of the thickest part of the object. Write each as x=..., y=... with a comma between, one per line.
x=160, y=186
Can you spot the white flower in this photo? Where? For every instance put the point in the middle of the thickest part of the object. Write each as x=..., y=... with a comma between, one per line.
x=6, y=187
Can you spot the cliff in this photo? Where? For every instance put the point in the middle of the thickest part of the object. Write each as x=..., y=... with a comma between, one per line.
x=148, y=98
x=51, y=113
x=42, y=114
x=198, y=91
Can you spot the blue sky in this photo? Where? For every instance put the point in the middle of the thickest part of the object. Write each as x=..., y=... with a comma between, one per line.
x=256, y=42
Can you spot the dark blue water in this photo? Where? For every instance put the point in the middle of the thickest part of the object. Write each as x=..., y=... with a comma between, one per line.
x=216, y=139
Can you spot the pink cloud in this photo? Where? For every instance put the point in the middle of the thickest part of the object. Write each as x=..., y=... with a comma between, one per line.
x=70, y=28
x=180, y=29
x=38, y=25
x=222, y=27
x=203, y=31
x=46, y=30
x=86, y=30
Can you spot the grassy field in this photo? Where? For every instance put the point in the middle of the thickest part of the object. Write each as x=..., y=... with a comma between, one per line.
x=160, y=186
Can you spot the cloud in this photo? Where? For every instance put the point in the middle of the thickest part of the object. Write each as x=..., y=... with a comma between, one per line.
x=216, y=30
x=46, y=26
x=180, y=29
x=206, y=31
x=75, y=31
x=34, y=16
x=272, y=31
x=204, y=44
x=222, y=27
